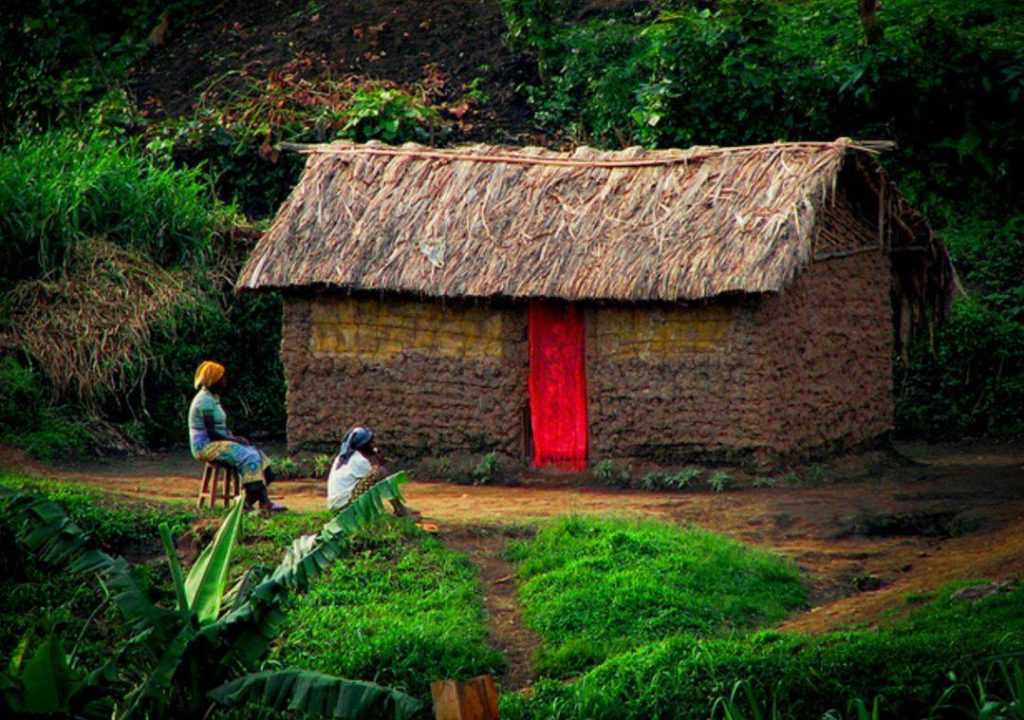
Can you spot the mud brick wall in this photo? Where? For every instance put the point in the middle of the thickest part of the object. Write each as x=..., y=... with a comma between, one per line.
x=423, y=374
x=671, y=383
x=786, y=375
x=830, y=363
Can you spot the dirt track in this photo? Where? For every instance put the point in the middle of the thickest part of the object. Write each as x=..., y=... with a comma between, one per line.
x=865, y=539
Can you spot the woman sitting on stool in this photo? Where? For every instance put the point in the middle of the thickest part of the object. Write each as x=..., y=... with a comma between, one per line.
x=353, y=472
x=212, y=442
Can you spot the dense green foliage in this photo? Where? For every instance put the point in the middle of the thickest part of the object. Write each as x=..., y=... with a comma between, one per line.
x=908, y=665
x=29, y=422
x=593, y=588
x=233, y=133
x=61, y=56
x=403, y=612
x=943, y=78
x=59, y=190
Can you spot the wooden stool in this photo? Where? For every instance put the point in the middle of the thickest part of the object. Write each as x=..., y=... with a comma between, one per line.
x=211, y=474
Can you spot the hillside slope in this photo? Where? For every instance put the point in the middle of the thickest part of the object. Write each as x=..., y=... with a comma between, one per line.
x=449, y=44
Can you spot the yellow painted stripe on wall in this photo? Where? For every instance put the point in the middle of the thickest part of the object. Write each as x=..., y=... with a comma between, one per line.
x=373, y=329
x=646, y=333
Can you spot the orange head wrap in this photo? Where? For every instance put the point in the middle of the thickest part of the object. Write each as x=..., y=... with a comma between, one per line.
x=207, y=374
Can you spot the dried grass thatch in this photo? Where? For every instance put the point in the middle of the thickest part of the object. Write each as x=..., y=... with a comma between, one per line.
x=632, y=225
x=88, y=328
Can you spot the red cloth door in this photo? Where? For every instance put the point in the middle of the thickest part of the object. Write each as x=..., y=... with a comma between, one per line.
x=558, y=386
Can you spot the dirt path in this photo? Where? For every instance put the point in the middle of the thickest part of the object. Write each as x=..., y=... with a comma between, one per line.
x=870, y=534
x=508, y=633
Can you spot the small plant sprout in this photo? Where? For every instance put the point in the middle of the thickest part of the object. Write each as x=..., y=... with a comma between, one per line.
x=321, y=466
x=604, y=472
x=286, y=468
x=720, y=481
x=682, y=479
x=764, y=481
x=484, y=473
x=607, y=473
x=653, y=481
x=816, y=474
x=444, y=467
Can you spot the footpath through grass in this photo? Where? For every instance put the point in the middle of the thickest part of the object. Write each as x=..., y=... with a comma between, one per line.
x=595, y=587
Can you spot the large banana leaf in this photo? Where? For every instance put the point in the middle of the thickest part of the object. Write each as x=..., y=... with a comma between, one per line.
x=43, y=527
x=208, y=578
x=158, y=625
x=313, y=693
x=157, y=687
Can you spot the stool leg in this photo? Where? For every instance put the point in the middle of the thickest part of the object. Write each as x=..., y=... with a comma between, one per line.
x=204, y=490
x=227, y=486
x=217, y=470
x=236, y=484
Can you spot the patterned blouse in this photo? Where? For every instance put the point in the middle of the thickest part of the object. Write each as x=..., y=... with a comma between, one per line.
x=205, y=405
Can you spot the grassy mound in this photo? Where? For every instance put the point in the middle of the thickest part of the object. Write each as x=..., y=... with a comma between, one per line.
x=595, y=587
x=913, y=667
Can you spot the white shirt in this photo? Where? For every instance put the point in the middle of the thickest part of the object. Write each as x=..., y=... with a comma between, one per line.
x=343, y=478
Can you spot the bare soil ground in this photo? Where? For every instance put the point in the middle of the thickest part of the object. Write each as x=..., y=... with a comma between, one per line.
x=872, y=533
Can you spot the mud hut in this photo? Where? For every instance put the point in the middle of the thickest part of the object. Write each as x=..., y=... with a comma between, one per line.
x=563, y=308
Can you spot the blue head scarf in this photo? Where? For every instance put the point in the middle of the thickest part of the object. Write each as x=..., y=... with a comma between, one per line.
x=355, y=439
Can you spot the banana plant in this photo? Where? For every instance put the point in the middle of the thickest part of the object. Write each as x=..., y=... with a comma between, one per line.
x=210, y=645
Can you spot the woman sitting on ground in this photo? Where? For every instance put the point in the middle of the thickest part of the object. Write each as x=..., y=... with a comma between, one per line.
x=211, y=441
x=358, y=466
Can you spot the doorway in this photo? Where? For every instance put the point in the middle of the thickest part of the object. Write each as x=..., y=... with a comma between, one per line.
x=558, y=385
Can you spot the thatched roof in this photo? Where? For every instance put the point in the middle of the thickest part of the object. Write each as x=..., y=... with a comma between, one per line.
x=636, y=224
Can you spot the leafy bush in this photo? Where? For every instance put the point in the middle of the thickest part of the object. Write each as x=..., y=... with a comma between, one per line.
x=390, y=115
x=607, y=473
x=322, y=465
x=57, y=192
x=670, y=480
x=60, y=56
x=286, y=468
x=971, y=381
x=683, y=478
x=234, y=131
x=404, y=612
x=595, y=587
x=908, y=665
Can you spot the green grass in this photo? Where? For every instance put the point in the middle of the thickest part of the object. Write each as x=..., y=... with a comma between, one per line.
x=114, y=524
x=402, y=611
x=907, y=664
x=595, y=587
x=59, y=188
